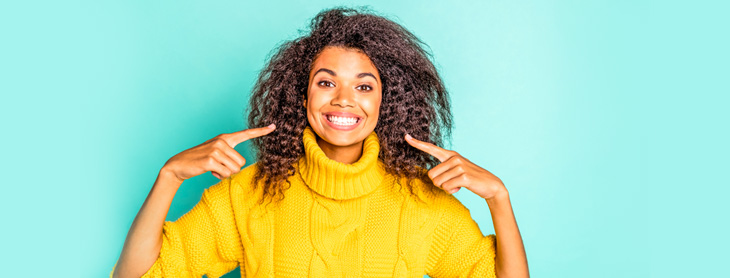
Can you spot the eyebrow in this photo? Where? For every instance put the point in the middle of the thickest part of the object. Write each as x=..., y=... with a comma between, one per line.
x=359, y=75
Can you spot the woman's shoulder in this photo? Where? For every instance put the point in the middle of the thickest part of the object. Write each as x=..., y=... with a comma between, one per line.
x=436, y=209
x=244, y=178
x=241, y=185
x=434, y=197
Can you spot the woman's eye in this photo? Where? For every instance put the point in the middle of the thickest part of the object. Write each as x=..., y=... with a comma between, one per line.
x=325, y=83
x=330, y=84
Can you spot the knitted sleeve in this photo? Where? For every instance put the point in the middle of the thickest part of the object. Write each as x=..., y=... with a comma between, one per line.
x=203, y=241
x=459, y=248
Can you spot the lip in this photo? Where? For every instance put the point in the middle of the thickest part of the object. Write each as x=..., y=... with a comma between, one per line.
x=341, y=114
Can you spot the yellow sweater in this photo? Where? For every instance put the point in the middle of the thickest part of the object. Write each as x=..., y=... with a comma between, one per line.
x=336, y=220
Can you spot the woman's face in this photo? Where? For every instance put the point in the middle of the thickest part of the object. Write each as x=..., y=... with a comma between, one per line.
x=343, y=96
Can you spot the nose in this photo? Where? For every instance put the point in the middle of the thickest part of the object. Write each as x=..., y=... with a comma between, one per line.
x=344, y=97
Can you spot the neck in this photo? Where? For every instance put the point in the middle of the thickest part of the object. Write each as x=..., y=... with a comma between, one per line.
x=343, y=154
x=339, y=180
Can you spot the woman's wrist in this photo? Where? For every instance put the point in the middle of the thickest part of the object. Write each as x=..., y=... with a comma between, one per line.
x=168, y=178
x=499, y=199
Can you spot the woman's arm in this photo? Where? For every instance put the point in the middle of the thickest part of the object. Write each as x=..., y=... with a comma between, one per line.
x=455, y=172
x=511, y=260
x=144, y=240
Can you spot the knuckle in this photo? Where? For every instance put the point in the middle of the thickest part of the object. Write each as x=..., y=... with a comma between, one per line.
x=447, y=183
x=219, y=142
x=220, y=138
x=439, y=183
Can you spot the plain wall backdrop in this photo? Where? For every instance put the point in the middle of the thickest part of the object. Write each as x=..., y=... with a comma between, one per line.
x=605, y=120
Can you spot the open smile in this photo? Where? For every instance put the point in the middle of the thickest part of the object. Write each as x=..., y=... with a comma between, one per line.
x=342, y=120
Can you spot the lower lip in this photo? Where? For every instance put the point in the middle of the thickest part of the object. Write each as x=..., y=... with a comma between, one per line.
x=340, y=127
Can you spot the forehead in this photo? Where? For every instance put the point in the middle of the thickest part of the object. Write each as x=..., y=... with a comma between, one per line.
x=345, y=62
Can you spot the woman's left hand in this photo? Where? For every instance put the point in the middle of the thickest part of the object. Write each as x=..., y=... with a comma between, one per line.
x=455, y=171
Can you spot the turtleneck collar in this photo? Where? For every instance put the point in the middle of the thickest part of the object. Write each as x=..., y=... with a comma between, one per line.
x=337, y=180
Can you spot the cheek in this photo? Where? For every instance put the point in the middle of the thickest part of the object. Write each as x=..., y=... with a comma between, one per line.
x=376, y=110
x=314, y=101
x=319, y=95
x=372, y=107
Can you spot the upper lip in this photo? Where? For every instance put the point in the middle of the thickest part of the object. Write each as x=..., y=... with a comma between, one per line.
x=342, y=114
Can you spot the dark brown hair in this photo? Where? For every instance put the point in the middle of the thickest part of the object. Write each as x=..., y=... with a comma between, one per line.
x=414, y=98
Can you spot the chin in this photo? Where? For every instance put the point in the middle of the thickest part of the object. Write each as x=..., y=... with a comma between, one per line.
x=337, y=138
x=341, y=138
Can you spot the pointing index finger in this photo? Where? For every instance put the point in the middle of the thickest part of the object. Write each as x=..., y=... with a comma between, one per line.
x=438, y=152
x=247, y=134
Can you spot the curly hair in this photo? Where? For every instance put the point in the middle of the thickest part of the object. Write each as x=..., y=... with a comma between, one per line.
x=414, y=98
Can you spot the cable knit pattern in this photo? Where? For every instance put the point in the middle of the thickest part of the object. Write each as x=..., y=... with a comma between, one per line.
x=336, y=220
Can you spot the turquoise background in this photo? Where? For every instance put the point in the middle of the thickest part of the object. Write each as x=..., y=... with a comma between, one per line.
x=607, y=120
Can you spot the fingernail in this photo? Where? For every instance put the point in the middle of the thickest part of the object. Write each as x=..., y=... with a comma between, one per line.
x=408, y=136
x=271, y=126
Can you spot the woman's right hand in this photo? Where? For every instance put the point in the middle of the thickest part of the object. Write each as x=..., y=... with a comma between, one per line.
x=215, y=155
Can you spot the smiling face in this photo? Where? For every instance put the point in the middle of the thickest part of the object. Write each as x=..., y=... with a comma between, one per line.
x=343, y=97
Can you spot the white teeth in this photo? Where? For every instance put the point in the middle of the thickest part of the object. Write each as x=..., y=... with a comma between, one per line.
x=342, y=120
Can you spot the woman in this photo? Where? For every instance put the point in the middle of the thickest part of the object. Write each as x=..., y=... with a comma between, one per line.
x=340, y=186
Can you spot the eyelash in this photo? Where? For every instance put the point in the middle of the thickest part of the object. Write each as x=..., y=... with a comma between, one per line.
x=370, y=88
